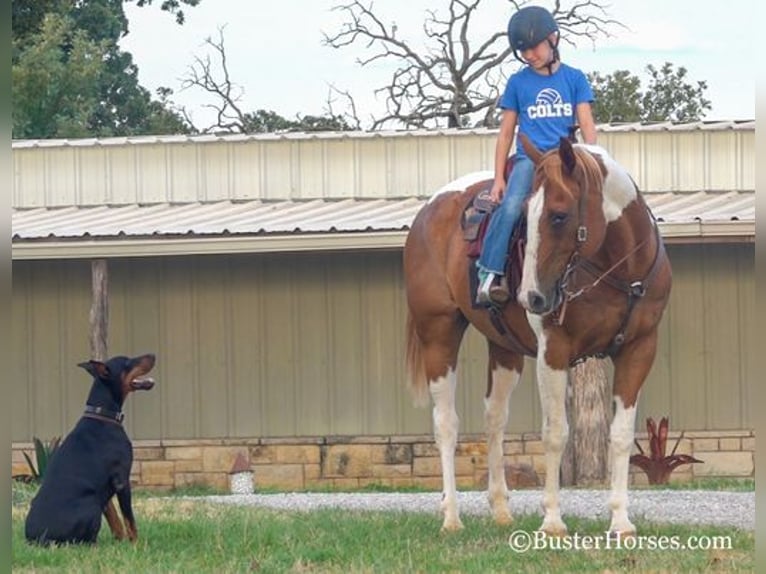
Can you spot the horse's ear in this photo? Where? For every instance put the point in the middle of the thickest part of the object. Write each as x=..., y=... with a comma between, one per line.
x=567, y=154
x=529, y=148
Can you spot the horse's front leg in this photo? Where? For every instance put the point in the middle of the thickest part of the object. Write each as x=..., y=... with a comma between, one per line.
x=631, y=367
x=445, y=432
x=504, y=372
x=552, y=384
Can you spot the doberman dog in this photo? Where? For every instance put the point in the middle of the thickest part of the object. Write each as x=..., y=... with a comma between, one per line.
x=93, y=463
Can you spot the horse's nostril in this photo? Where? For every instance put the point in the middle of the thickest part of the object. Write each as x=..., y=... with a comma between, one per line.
x=536, y=302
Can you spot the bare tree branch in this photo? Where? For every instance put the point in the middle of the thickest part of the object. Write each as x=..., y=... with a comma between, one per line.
x=455, y=77
x=229, y=116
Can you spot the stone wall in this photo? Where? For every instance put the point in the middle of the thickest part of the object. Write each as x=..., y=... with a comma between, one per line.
x=352, y=462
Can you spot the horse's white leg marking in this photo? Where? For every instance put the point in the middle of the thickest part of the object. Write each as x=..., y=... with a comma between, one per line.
x=496, y=418
x=445, y=432
x=552, y=385
x=529, y=271
x=621, y=443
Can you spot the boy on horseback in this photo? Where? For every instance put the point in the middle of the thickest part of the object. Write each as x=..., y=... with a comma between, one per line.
x=546, y=98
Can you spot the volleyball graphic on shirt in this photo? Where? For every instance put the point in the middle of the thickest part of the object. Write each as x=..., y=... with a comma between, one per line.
x=549, y=104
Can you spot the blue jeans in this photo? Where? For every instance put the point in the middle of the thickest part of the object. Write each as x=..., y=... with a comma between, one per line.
x=494, y=251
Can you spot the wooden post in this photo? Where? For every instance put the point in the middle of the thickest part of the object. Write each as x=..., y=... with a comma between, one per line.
x=585, y=459
x=99, y=310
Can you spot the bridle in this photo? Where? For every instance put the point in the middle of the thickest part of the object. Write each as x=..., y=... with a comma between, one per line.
x=634, y=290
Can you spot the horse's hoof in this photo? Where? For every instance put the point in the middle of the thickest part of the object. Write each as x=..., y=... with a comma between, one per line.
x=621, y=534
x=453, y=525
x=555, y=529
x=503, y=518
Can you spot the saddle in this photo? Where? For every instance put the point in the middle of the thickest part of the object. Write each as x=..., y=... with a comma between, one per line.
x=474, y=223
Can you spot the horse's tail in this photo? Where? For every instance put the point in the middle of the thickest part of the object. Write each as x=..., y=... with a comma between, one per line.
x=418, y=384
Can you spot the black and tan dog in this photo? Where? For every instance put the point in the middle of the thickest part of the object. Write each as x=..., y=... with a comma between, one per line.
x=93, y=463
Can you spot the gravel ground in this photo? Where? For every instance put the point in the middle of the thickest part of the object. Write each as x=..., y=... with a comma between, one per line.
x=721, y=508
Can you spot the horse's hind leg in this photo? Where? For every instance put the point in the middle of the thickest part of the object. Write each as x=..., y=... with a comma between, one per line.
x=503, y=376
x=439, y=349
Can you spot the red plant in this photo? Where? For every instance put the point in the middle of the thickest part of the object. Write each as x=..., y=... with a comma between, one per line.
x=658, y=465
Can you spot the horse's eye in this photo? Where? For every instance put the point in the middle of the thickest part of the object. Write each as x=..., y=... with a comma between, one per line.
x=558, y=218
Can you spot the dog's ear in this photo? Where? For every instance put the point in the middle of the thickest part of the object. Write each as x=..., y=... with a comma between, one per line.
x=97, y=369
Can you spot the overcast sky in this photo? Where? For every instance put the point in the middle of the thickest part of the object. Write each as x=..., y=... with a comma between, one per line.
x=276, y=54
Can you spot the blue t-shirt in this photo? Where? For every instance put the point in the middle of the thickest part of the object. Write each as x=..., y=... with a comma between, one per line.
x=546, y=105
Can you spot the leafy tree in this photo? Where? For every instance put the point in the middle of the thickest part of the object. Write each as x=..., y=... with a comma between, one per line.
x=668, y=97
x=70, y=78
x=617, y=97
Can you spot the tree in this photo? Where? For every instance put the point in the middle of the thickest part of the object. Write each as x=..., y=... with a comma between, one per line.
x=70, y=78
x=229, y=115
x=669, y=97
x=617, y=97
x=454, y=77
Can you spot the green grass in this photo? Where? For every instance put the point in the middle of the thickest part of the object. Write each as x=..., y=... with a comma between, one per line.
x=194, y=536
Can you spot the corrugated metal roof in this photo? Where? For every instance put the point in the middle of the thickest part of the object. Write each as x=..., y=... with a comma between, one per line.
x=717, y=125
x=230, y=226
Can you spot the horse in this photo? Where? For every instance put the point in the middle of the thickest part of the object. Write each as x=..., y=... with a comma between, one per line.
x=595, y=282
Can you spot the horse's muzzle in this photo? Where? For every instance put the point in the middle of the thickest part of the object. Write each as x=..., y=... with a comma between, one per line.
x=540, y=303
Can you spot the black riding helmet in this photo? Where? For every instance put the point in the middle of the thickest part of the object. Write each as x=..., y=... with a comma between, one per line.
x=530, y=26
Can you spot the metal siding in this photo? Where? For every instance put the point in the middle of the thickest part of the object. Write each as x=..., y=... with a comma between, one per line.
x=247, y=332
x=311, y=170
x=178, y=352
x=135, y=312
x=685, y=340
x=747, y=335
x=183, y=173
x=153, y=165
x=248, y=175
x=310, y=324
x=690, y=149
x=277, y=175
x=279, y=292
x=371, y=168
x=212, y=345
x=721, y=339
x=345, y=333
x=92, y=176
x=436, y=168
x=403, y=157
x=124, y=173
x=303, y=344
x=722, y=171
x=657, y=162
x=330, y=165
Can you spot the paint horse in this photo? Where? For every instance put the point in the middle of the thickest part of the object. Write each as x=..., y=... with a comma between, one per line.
x=595, y=282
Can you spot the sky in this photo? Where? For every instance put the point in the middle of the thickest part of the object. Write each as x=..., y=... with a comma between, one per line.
x=276, y=54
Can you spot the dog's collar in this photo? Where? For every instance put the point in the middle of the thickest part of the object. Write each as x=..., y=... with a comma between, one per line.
x=111, y=416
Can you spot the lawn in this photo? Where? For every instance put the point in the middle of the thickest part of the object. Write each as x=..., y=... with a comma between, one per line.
x=188, y=535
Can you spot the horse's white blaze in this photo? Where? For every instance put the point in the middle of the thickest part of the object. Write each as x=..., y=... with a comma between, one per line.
x=445, y=432
x=496, y=418
x=619, y=189
x=463, y=182
x=552, y=385
x=621, y=443
x=529, y=270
